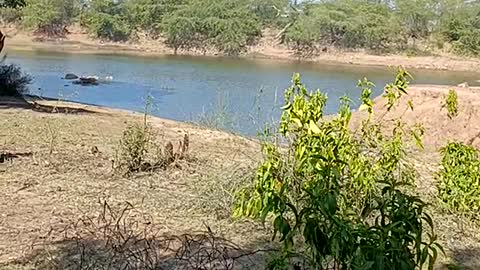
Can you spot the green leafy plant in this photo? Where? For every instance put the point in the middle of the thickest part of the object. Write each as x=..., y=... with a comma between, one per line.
x=342, y=192
x=451, y=103
x=459, y=178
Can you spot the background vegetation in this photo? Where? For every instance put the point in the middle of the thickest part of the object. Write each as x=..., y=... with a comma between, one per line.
x=227, y=26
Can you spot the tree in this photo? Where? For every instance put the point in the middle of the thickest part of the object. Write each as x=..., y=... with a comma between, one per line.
x=106, y=19
x=345, y=24
x=225, y=25
x=462, y=29
x=49, y=16
x=417, y=16
x=148, y=15
x=269, y=12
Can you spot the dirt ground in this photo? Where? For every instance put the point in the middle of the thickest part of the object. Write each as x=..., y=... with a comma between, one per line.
x=64, y=179
x=61, y=177
x=78, y=41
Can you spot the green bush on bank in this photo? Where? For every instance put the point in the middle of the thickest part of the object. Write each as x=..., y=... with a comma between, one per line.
x=459, y=178
x=343, y=193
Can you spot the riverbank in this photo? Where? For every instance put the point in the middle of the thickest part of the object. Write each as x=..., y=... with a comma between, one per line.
x=63, y=169
x=79, y=42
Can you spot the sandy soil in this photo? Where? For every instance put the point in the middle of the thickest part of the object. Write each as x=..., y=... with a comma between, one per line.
x=78, y=41
x=428, y=110
x=62, y=178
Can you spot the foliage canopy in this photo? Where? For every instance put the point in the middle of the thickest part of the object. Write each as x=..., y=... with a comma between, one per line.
x=228, y=26
x=49, y=16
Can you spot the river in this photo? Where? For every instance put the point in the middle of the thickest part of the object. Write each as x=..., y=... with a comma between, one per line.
x=240, y=95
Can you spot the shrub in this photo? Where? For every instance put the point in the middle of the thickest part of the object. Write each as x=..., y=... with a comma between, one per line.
x=451, y=103
x=342, y=192
x=139, y=150
x=13, y=82
x=459, y=178
x=133, y=146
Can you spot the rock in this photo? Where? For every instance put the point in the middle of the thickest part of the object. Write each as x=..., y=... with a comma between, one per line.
x=70, y=76
x=463, y=85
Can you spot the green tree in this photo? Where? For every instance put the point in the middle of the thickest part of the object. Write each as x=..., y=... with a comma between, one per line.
x=462, y=29
x=225, y=25
x=417, y=16
x=345, y=24
x=106, y=19
x=49, y=16
x=148, y=15
x=269, y=12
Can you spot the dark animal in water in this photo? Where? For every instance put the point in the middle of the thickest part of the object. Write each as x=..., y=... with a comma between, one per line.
x=86, y=81
x=70, y=76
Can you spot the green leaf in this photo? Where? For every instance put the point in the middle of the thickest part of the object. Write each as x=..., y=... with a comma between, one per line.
x=314, y=128
x=298, y=122
x=364, y=107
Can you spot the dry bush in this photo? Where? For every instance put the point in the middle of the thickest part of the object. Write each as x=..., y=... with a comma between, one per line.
x=140, y=150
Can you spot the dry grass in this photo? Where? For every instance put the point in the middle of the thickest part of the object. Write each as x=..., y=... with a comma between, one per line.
x=57, y=189
x=126, y=238
x=49, y=189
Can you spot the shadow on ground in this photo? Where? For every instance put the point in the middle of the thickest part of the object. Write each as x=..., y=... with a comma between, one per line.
x=127, y=240
x=464, y=259
x=31, y=103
